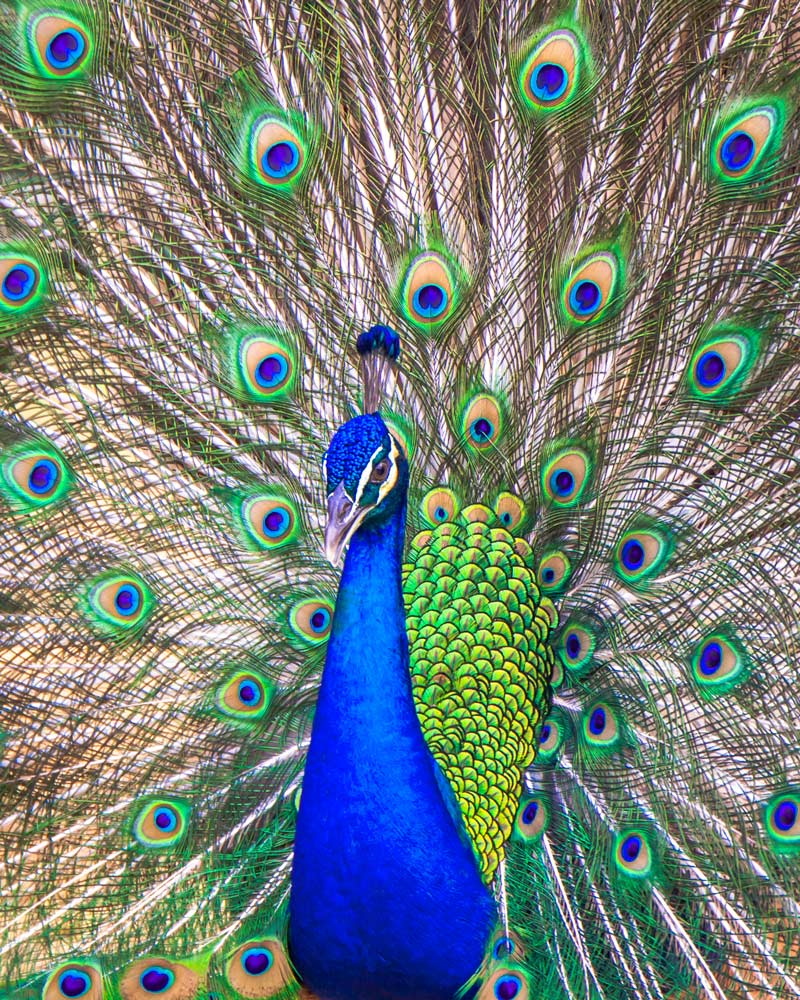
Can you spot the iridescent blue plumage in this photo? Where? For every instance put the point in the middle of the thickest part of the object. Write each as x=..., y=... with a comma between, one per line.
x=380, y=852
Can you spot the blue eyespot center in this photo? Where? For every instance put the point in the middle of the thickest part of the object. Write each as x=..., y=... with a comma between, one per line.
x=785, y=815
x=271, y=371
x=738, y=150
x=545, y=735
x=249, y=693
x=19, y=283
x=156, y=979
x=165, y=819
x=503, y=946
x=277, y=522
x=128, y=599
x=710, y=658
x=256, y=961
x=65, y=49
x=320, y=620
x=710, y=369
x=440, y=514
x=550, y=82
x=481, y=429
x=632, y=555
x=549, y=575
x=507, y=987
x=631, y=848
x=74, y=983
x=530, y=811
x=585, y=297
x=573, y=646
x=430, y=301
x=43, y=476
x=280, y=159
x=562, y=482
x=597, y=721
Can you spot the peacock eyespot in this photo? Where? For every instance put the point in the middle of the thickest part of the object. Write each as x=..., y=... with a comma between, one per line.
x=482, y=422
x=566, y=476
x=554, y=572
x=161, y=824
x=532, y=819
x=510, y=510
x=60, y=46
x=550, y=75
x=640, y=554
x=33, y=478
x=429, y=290
x=576, y=647
x=119, y=602
x=746, y=141
x=719, y=366
x=503, y=947
x=601, y=727
x=507, y=987
x=592, y=288
x=74, y=980
x=244, y=696
x=266, y=367
x=551, y=738
x=719, y=664
x=783, y=821
x=259, y=967
x=278, y=156
x=633, y=855
x=256, y=961
x=21, y=283
x=269, y=522
x=439, y=505
x=156, y=979
x=311, y=620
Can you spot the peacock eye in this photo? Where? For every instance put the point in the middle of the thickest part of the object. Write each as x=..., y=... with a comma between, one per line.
x=74, y=981
x=380, y=471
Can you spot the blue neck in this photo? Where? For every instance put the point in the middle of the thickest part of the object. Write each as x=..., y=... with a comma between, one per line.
x=387, y=900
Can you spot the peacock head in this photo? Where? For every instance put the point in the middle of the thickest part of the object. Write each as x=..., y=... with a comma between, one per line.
x=367, y=479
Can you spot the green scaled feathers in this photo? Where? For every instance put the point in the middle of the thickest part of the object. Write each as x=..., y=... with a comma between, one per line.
x=481, y=663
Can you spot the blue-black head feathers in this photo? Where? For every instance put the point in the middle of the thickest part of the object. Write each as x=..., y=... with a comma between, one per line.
x=367, y=479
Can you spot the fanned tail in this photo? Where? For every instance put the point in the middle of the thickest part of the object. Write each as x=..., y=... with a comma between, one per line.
x=584, y=227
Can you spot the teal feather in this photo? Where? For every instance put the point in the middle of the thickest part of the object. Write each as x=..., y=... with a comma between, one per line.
x=201, y=209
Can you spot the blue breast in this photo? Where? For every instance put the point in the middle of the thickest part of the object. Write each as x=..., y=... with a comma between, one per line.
x=386, y=901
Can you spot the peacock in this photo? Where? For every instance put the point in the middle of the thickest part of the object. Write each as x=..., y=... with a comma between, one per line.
x=399, y=490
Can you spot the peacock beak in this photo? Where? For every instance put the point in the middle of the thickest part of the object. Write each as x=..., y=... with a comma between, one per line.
x=344, y=518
